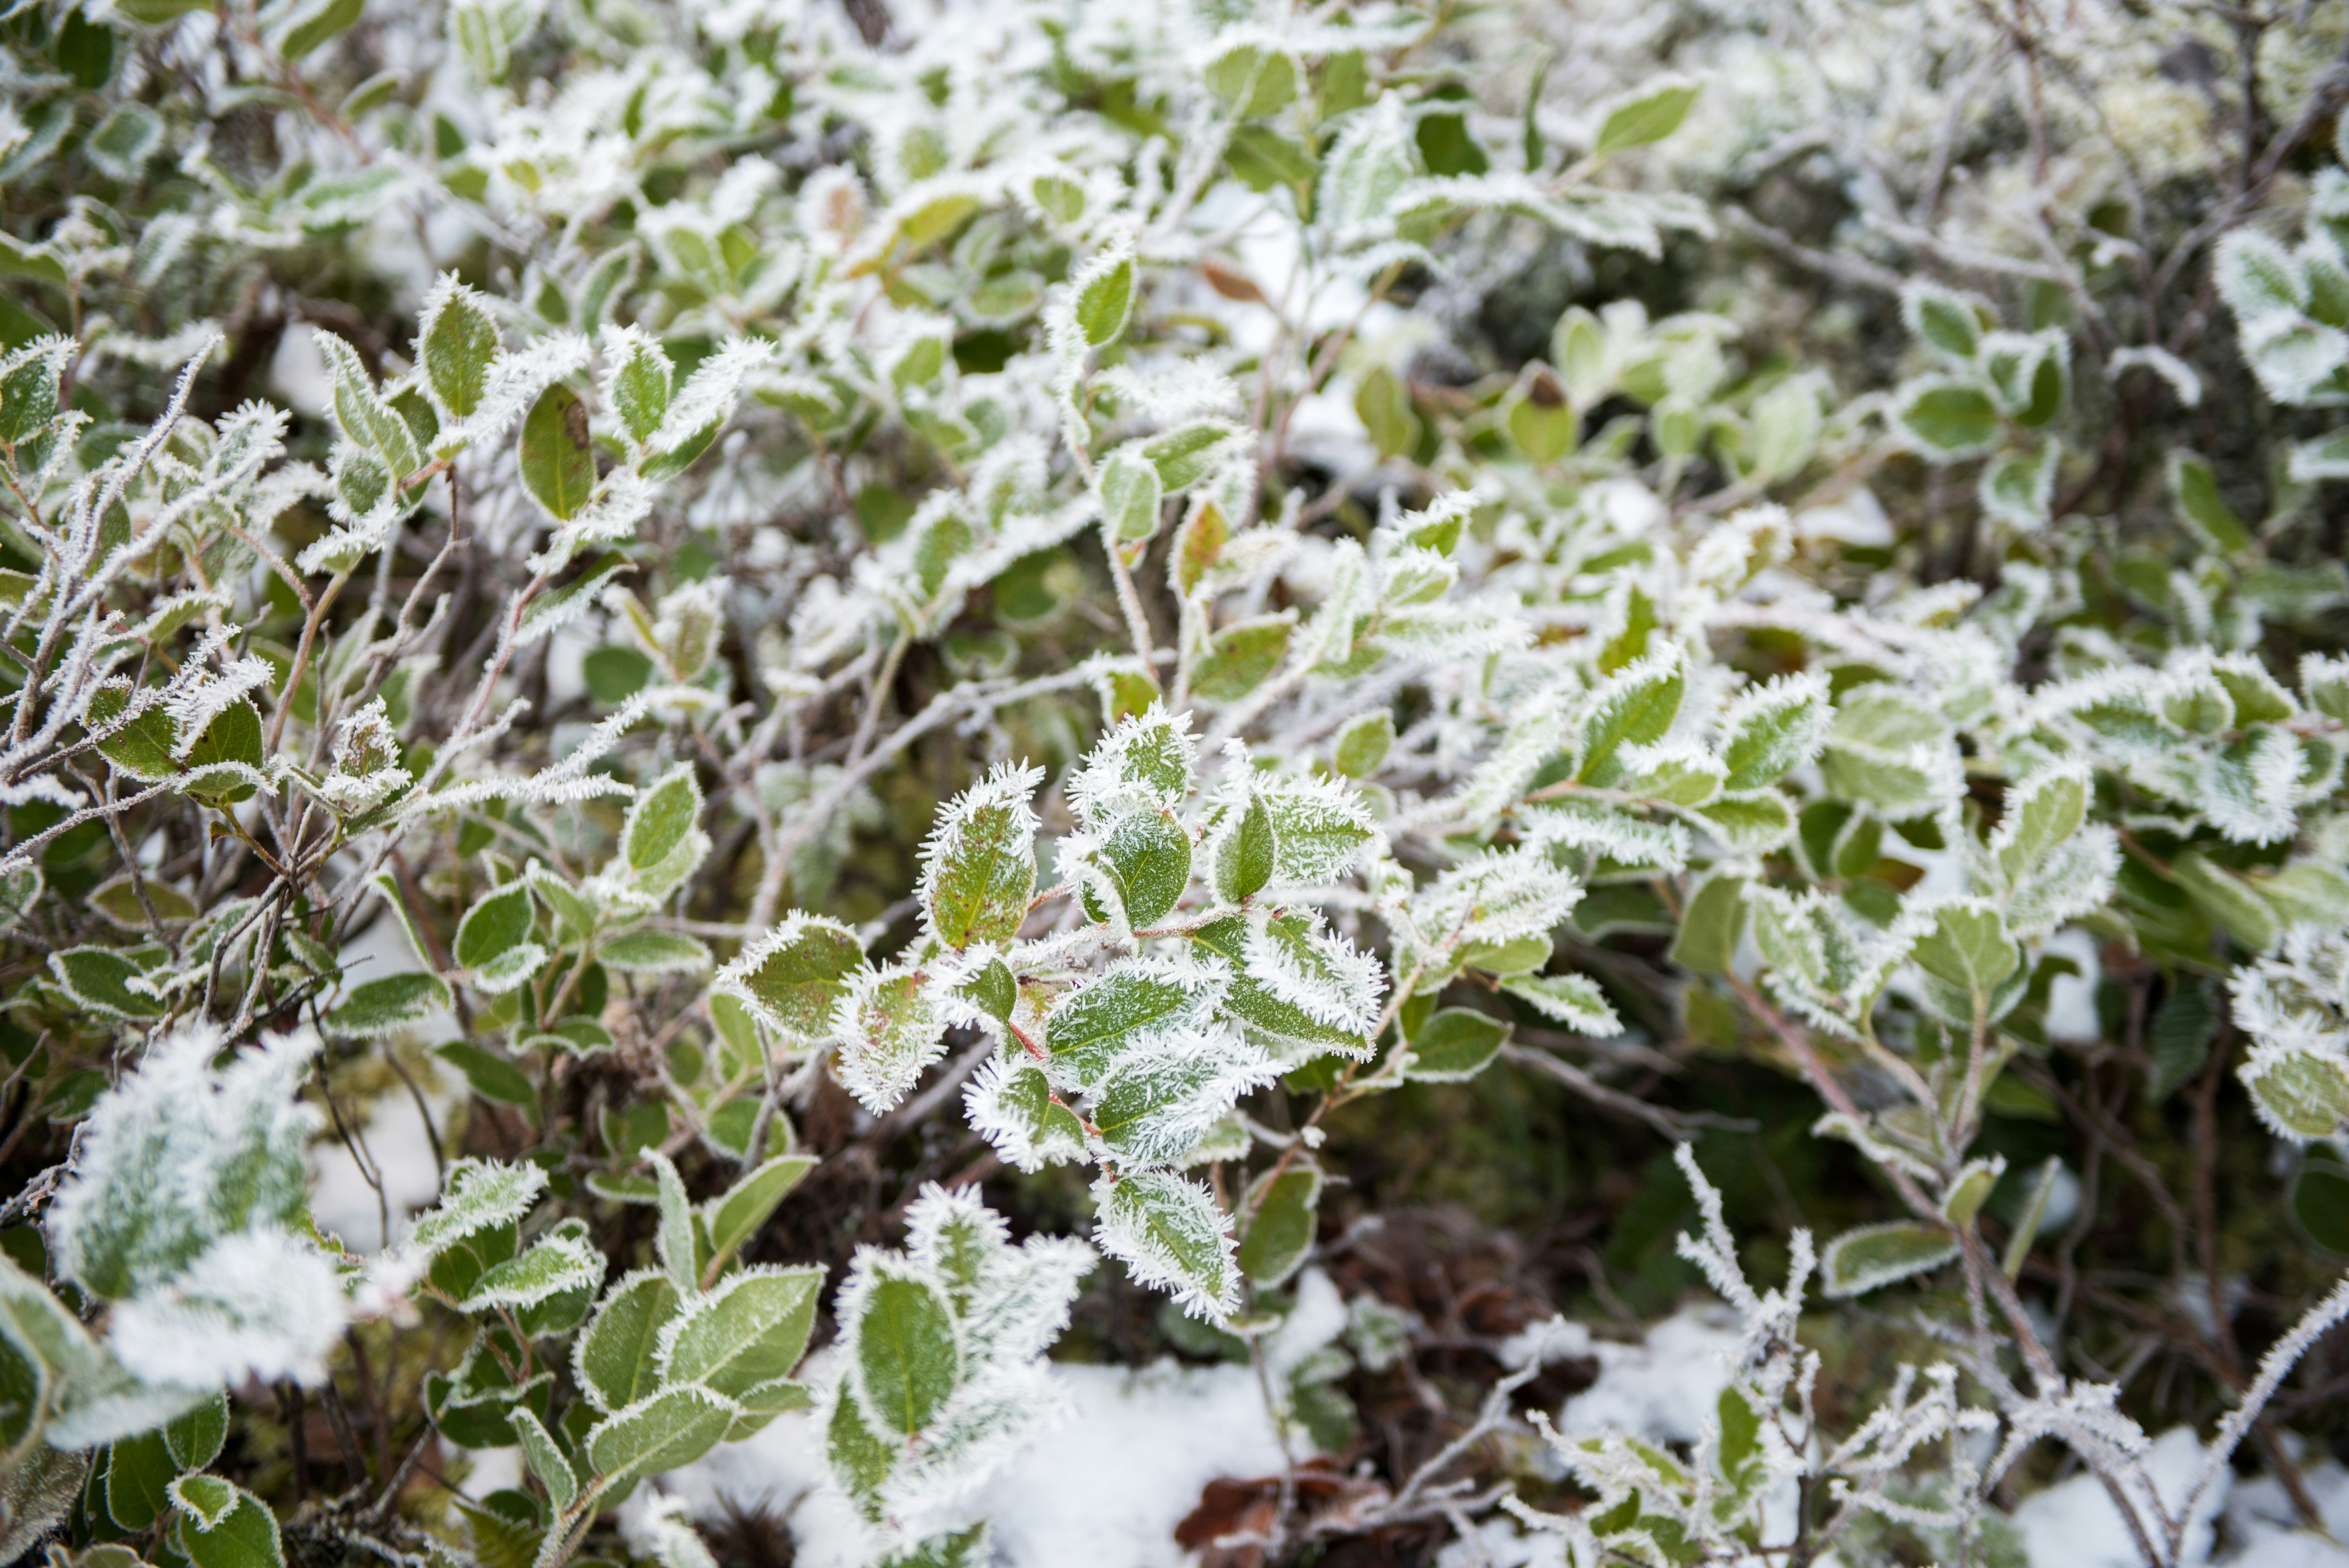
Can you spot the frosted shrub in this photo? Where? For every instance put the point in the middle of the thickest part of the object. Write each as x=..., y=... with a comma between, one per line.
x=907, y=677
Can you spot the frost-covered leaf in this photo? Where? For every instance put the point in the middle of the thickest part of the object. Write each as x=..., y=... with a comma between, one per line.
x=180, y=1155
x=1317, y=972
x=1873, y=1256
x=979, y=865
x=614, y=1359
x=888, y=1028
x=1157, y=1100
x=1320, y=828
x=1946, y=420
x=545, y=1460
x=456, y=339
x=744, y=1335
x=1011, y=1104
x=1144, y=763
x=1574, y=1000
x=1145, y=858
x=653, y=952
x=908, y=1356
x=1770, y=728
x=221, y=1525
x=793, y=977
x=255, y=1303
x=556, y=1264
x=1454, y=1044
x=1133, y=1005
x=661, y=1432
x=1172, y=1236
x=1634, y=708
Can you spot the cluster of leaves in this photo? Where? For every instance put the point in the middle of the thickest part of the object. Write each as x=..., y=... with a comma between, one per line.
x=723, y=449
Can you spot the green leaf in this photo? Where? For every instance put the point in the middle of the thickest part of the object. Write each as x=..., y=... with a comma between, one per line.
x=196, y=1438
x=978, y=869
x=1363, y=745
x=2232, y=903
x=2180, y=1035
x=2320, y=1201
x=1710, y=925
x=1455, y=1045
x=733, y=1218
x=221, y=1525
x=456, y=341
x=653, y=952
x=99, y=979
x=1104, y=296
x=662, y=1432
x=499, y=922
x=2197, y=497
x=139, y=1472
x=558, y=459
x=1147, y=858
x=1946, y=420
x=1772, y=728
x=908, y=1357
x=309, y=24
x=2299, y=1094
x=2026, y=1225
x=1237, y=660
x=1969, y=948
x=748, y=1332
x=861, y=1462
x=1651, y=114
x=490, y=1075
x=1574, y=1000
x=616, y=1357
x=545, y=1460
x=1946, y=320
x=662, y=819
x=1382, y=403
x=1541, y=421
x=1280, y=1233
x=1243, y=856
x=1184, y=456
x=1170, y=1233
x=1634, y=708
x=794, y=977
x=1873, y=1256
x=382, y=1007
x=1964, y=1199
x=674, y=1241
x=1252, y=82
x=1130, y=496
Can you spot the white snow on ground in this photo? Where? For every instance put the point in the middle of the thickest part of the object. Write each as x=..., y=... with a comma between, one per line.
x=1105, y=1487
x=2075, y=1524
x=2266, y=1532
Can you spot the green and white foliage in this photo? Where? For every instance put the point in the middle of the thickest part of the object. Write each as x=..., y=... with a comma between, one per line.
x=942, y=1376
x=2295, y=1010
x=186, y=1208
x=663, y=1363
x=1134, y=575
